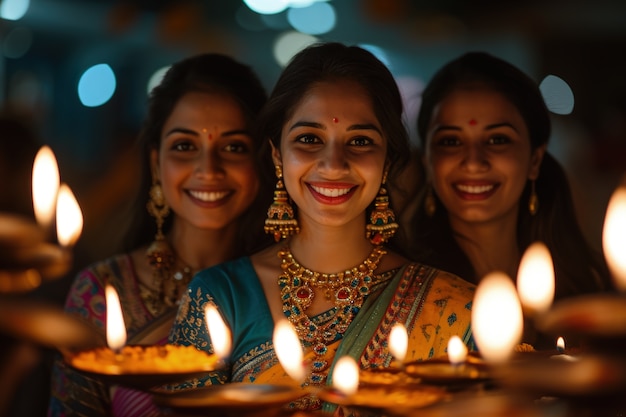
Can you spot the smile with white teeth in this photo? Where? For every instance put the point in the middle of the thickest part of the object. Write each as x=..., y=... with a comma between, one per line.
x=208, y=196
x=474, y=189
x=331, y=192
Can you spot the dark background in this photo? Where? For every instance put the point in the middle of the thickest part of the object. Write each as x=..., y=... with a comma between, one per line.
x=583, y=42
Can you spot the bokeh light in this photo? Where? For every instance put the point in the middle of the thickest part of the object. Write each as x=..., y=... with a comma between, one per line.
x=276, y=21
x=289, y=44
x=156, y=77
x=316, y=19
x=96, y=86
x=302, y=3
x=411, y=90
x=13, y=9
x=378, y=52
x=267, y=6
x=557, y=94
x=249, y=20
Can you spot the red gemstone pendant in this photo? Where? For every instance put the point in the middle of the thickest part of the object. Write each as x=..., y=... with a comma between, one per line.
x=343, y=294
x=303, y=293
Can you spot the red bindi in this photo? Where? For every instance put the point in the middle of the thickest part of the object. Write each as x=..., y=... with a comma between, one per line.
x=210, y=136
x=472, y=122
x=335, y=120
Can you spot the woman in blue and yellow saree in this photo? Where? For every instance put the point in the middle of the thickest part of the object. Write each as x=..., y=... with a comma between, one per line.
x=334, y=121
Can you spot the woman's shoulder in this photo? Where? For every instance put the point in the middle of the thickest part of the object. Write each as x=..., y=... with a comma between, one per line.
x=112, y=269
x=234, y=271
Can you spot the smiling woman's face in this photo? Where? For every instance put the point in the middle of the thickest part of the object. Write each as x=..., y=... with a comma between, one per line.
x=206, y=161
x=333, y=153
x=479, y=156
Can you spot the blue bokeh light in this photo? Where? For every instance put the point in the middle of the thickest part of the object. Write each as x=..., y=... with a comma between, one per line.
x=13, y=9
x=316, y=19
x=97, y=85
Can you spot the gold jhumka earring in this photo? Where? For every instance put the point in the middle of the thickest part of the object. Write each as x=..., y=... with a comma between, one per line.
x=281, y=221
x=169, y=274
x=382, y=224
x=159, y=253
x=430, y=205
x=533, y=201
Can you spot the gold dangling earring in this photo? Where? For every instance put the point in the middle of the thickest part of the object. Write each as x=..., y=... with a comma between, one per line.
x=382, y=224
x=430, y=205
x=160, y=255
x=281, y=220
x=533, y=201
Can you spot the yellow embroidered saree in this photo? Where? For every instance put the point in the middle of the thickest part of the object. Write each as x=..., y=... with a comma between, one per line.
x=432, y=304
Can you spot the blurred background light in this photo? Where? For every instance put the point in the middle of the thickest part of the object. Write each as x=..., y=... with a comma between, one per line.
x=315, y=19
x=301, y=3
x=267, y=6
x=557, y=94
x=249, y=20
x=378, y=53
x=155, y=79
x=289, y=44
x=96, y=85
x=276, y=21
x=13, y=9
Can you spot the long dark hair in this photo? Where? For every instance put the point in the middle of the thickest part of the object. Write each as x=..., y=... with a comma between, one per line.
x=335, y=61
x=578, y=268
x=210, y=72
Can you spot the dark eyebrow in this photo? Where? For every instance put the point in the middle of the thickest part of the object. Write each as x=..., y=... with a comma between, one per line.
x=367, y=126
x=503, y=124
x=488, y=127
x=181, y=130
x=194, y=133
x=306, y=124
x=446, y=127
x=236, y=132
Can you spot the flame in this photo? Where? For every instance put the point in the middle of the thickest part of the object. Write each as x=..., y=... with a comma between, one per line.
x=398, y=341
x=614, y=237
x=535, y=279
x=69, y=217
x=289, y=350
x=497, y=321
x=346, y=375
x=457, y=351
x=45, y=186
x=219, y=332
x=115, y=329
x=560, y=344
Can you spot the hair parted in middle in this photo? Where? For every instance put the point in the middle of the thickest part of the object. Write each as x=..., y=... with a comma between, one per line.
x=335, y=61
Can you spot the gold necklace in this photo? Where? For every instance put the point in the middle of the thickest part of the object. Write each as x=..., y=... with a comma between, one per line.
x=347, y=289
x=170, y=276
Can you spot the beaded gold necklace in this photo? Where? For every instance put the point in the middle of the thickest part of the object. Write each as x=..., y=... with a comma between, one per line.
x=347, y=289
x=170, y=276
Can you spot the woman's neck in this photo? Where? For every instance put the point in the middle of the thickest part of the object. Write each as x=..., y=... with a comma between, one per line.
x=330, y=249
x=489, y=247
x=202, y=248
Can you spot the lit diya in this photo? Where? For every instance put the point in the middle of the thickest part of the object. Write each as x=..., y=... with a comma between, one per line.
x=599, y=319
x=232, y=399
x=395, y=373
x=583, y=377
x=238, y=399
x=140, y=366
x=392, y=398
x=455, y=370
x=28, y=254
